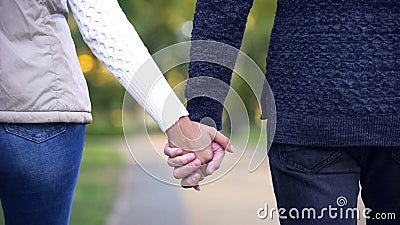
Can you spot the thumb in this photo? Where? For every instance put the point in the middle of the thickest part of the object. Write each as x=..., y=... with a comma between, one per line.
x=224, y=142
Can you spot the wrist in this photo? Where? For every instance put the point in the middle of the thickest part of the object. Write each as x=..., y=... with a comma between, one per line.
x=182, y=122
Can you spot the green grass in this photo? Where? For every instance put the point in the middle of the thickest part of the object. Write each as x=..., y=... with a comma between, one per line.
x=101, y=168
x=1, y=216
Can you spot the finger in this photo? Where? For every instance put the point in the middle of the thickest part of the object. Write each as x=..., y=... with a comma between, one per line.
x=188, y=169
x=192, y=180
x=215, y=163
x=203, y=170
x=181, y=160
x=172, y=152
x=224, y=142
x=200, y=171
x=197, y=188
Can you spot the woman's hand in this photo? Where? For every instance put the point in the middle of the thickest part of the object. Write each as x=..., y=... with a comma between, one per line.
x=188, y=168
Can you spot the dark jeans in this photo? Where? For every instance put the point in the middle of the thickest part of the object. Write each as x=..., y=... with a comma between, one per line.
x=39, y=165
x=307, y=177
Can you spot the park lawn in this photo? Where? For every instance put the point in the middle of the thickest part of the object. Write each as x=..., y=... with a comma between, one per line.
x=101, y=170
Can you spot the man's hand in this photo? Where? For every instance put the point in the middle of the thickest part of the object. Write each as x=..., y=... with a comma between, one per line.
x=197, y=138
x=190, y=145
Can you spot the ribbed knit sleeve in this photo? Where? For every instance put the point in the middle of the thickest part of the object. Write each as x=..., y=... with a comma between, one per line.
x=221, y=21
x=114, y=41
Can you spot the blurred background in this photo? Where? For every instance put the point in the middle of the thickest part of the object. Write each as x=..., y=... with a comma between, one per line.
x=161, y=23
x=112, y=189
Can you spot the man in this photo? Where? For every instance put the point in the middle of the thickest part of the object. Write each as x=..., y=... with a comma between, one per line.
x=334, y=68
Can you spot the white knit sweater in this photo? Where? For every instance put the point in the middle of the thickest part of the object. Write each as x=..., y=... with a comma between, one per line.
x=114, y=41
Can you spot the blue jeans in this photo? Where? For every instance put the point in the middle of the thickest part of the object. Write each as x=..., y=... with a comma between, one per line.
x=325, y=178
x=39, y=165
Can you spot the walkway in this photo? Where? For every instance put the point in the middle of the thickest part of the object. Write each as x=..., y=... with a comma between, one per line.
x=232, y=200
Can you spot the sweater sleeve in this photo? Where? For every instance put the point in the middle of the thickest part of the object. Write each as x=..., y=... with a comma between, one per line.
x=114, y=41
x=221, y=21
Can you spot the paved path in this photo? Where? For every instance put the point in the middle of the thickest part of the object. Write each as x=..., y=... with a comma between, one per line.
x=142, y=200
x=232, y=200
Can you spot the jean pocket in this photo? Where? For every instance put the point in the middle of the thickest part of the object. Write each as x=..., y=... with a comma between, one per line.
x=307, y=159
x=37, y=132
x=396, y=155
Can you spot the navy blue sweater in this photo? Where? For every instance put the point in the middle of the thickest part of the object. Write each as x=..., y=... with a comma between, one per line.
x=333, y=66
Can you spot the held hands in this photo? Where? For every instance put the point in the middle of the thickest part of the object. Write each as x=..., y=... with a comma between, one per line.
x=189, y=169
x=195, y=151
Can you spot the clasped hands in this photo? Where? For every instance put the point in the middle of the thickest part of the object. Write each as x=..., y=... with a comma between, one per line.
x=195, y=151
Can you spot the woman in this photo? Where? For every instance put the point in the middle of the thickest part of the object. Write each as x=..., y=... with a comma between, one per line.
x=44, y=101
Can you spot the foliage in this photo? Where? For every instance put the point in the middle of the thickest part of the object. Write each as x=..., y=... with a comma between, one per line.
x=159, y=23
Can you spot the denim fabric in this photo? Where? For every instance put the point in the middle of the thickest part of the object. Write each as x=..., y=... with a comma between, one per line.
x=39, y=165
x=319, y=177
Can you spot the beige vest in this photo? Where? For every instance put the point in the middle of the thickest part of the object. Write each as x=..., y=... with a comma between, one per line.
x=40, y=77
